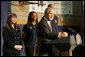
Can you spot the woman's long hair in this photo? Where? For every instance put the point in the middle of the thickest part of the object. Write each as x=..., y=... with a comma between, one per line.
x=8, y=23
x=30, y=19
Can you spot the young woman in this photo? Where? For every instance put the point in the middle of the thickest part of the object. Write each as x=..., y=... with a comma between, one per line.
x=12, y=37
x=30, y=34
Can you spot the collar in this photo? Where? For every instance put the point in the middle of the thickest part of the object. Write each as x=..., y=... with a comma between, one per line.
x=46, y=19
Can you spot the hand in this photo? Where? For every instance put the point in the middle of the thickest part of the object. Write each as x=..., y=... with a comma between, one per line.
x=61, y=34
x=65, y=33
x=18, y=47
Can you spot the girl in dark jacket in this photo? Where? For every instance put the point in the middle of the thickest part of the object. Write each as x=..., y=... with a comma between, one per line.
x=29, y=34
x=12, y=37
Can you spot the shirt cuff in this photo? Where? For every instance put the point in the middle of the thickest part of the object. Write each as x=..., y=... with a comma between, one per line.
x=59, y=36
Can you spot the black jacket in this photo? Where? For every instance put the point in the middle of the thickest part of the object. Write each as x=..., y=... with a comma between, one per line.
x=11, y=38
x=43, y=31
x=30, y=32
x=46, y=37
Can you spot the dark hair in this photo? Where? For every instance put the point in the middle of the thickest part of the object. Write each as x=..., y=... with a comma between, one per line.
x=8, y=23
x=30, y=15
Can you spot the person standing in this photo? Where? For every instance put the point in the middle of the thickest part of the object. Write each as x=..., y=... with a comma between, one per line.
x=12, y=37
x=48, y=41
x=29, y=34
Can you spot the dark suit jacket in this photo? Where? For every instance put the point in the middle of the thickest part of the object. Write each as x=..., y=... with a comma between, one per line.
x=45, y=36
x=11, y=38
x=43, y=31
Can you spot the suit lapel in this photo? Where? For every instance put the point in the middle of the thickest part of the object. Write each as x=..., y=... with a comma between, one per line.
x=47, y=25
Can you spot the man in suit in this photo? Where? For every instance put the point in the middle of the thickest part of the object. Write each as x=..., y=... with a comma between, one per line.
x=55, y=24
x=48, y=40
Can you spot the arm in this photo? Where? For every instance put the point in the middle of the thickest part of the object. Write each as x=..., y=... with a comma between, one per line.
x=43, y=31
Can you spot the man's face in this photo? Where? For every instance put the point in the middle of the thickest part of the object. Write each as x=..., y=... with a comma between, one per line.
x=50, y=15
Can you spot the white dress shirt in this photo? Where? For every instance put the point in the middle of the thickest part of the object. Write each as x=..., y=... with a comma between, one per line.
x=49, y=23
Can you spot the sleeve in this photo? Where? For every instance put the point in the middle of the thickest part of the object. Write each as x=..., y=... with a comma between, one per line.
x=43, y=31
x=7, y=39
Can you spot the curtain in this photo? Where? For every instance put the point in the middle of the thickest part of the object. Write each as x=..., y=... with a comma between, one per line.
x=5, y=10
